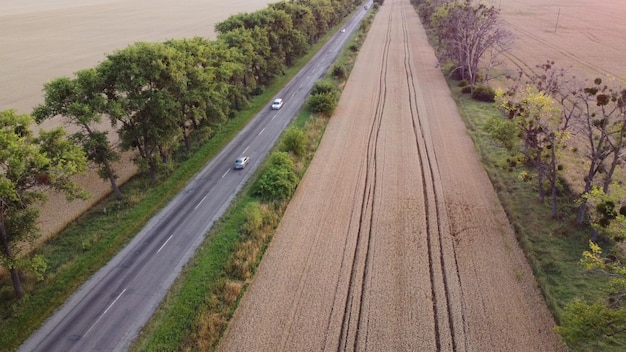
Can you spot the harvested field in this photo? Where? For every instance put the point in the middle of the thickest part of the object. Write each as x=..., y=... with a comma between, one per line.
x=395, y=240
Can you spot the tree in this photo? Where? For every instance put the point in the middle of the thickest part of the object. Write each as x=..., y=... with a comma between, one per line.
x=543, y=132
x=602, y=112
x=302, y=18
x=82, y=102
x=142, y=84
x=467, y=33
x=28, y=166
x=202, y=98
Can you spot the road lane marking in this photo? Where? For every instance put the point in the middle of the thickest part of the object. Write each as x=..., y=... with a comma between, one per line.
x=245, y=150
x=224, y=175
x=261, y=132
x=203, y=198
x=163, y=245
x=105, y=312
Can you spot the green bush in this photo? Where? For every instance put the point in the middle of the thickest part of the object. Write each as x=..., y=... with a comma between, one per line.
x=323, y=103
x=482, y=93
x=324, y=87
x=339, y=72
x=294, y=141
x=466, y=90
x=278, y=181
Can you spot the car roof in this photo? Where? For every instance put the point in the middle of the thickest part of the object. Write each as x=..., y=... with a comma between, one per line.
x=277, y=100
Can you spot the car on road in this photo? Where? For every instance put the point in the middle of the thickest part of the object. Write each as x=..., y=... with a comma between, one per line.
x=343, y=30
x=277, y=104
x=241, y=162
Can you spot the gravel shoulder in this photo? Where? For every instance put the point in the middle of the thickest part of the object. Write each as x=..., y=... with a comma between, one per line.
x=395, y=240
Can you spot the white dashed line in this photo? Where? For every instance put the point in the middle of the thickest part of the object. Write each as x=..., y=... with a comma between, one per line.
x=105, y=312
x=202, y=200
x=163, y=245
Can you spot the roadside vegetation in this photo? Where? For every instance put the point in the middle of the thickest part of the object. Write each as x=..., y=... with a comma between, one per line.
x=174, y=105
x=553, y=146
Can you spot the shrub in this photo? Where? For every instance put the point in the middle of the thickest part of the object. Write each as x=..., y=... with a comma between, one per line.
x=339, y=72
x=482, y=93
x=254, y=219
x=324, y=87
x=279, y=181
x=466, y=90
x=294, y=141
x=323, y=103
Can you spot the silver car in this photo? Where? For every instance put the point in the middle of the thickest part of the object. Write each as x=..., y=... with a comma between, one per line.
x=277, y=104
x=241, y=162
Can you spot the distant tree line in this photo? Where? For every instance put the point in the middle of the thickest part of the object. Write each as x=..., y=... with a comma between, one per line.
x=158, y=97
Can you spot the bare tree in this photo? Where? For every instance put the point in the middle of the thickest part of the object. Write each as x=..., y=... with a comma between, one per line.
x=603, y=124
x=469, y=32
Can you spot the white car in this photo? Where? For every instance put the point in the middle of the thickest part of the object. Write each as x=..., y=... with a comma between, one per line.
x=241, y=162
x=277, y=104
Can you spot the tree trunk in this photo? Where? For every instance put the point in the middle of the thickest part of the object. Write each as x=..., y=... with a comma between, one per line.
x=153, y=173
x=116, y=189
x=582, y=210
x=540, y=176
x=17, y=283
x=15, y=277
x=553, y=180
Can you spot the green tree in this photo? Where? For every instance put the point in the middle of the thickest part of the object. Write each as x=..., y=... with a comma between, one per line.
x=81, y=102
x=202, y=98
x=142, y=84
x=543, y=133
x=28, y=166
x=253, y=45
x=302, y=18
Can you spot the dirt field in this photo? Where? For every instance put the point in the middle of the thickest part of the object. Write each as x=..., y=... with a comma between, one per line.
x=585, y=35
x=395, y=240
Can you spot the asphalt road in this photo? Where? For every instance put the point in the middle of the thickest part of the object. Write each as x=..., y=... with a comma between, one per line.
x=108, y=311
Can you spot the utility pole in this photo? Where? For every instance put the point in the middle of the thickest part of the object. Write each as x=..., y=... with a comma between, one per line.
x=557, y=20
